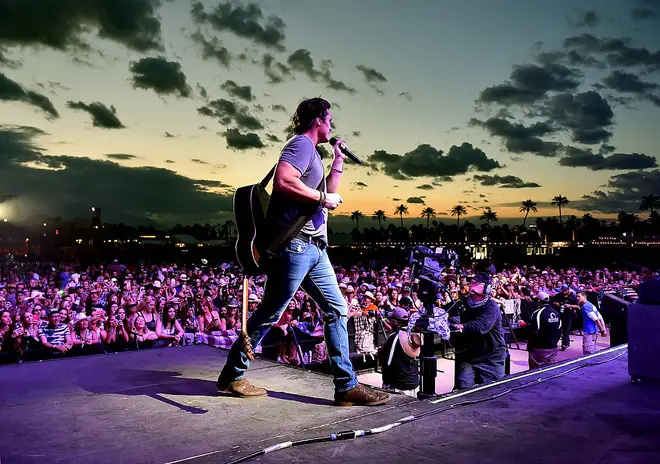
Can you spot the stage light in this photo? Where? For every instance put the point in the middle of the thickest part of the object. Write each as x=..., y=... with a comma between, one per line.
x=4, y=220
x=93, y=209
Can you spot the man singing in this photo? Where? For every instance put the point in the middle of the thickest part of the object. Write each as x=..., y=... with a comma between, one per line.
x=304, y=260
x=480, y=349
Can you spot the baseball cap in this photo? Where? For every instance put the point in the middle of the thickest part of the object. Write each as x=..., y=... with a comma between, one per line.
x=543, y=296
x=398, y=313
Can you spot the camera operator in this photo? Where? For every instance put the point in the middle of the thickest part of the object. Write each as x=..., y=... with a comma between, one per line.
x=480, y=348
x=545, y=333
x=565, y=302
x=398, y=356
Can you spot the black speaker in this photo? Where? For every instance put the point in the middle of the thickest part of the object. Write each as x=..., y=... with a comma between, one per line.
x=615, y=312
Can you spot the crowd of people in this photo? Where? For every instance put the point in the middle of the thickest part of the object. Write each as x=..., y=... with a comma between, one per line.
x=57, y=310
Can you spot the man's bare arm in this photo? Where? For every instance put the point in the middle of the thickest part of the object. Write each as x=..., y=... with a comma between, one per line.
x=287, y=180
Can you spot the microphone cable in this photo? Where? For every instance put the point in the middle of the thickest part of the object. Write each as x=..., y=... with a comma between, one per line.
x=351, y=434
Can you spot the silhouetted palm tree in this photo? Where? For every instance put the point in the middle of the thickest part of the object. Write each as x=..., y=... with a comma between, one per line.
x=458, y=211
x=401, y=210
x=356, y=216
x=379, y=216
x=650, y=203
x=489, y=216
x=560, y=201
x=527, y=206
x=428, y=213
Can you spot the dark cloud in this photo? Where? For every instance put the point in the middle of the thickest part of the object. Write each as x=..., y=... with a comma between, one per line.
x=396, y=199
x=280, y=108
x=426, y=161
x=162, y=76
x=356, y=133
x=13, y=91
x=244, y=92
x=275, y=71
x=640, y=14
x=531, y=83
x=202, y=91
x=246, y=21
x=212, y=49
x=406, y=95
x=359, y=185
x=624, y=192
x=415, y=200
x=230, y=113
x=212, y=184
x=273, y=138
x=301, y=61
x=198, y=161
x=237, y=140
x=65, y=25
x=170, y=161
x=370, y=74
x=587, y=116
x=425, y=187
x=120, y=156
x=616, y=51
x=577, y=157
x=72, y=184
x=625, y=82
x=584, y=19
x=102, y=116
x=569, y=58
x=504, y=181
x=169, y=136
x=519, y=138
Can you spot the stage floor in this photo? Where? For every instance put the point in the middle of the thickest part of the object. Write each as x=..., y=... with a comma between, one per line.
x=161, y=406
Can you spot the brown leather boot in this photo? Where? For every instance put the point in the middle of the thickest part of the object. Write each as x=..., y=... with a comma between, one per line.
x=361, y=396
x=241, y=388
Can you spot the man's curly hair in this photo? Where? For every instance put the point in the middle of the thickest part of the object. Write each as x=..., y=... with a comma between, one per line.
x=307, y=112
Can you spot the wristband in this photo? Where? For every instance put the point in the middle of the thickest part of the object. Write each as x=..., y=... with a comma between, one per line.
x=322, y=197
x=335, y=169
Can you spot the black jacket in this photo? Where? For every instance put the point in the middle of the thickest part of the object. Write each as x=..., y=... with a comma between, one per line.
x=482, y=336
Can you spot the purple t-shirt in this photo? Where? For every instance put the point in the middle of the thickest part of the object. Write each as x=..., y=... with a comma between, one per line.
x=300, y=152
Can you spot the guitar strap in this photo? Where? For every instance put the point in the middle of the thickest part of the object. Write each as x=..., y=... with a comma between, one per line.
x=296, y=225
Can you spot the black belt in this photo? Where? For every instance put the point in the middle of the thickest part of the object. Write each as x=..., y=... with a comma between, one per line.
x=309, y=239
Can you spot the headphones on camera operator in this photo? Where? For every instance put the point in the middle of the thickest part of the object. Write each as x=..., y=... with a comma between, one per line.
x=485, y=278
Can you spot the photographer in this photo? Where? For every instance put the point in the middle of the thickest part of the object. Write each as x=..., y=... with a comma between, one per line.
x=398, y=356
x=480, y=347
x=567, y=306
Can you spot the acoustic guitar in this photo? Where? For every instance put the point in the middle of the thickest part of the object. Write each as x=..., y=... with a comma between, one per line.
x=250, y=206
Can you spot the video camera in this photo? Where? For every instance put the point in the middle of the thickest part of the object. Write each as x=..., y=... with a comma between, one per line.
x=427, y=266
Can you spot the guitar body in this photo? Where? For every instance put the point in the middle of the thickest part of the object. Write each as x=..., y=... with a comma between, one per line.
x=250, y=207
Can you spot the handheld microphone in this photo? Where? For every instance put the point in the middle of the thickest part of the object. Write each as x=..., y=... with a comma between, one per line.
x=346, y=151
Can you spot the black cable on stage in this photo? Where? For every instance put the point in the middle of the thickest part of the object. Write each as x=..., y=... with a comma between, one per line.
x=351, y=434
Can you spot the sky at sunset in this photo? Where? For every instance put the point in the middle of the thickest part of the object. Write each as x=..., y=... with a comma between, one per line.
x=160, y=109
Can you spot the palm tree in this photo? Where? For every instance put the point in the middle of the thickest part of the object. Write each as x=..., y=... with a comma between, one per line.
x=401, y=210
x=428, y=213
x=379, y=216
x=489, y=216
x=527, y=206
x=560, y=201
x=458, y=211
x=356, y=216
x=650, y=203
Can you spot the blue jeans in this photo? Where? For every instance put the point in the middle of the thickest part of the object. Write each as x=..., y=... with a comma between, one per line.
x=470, y=373
x=301, y=263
